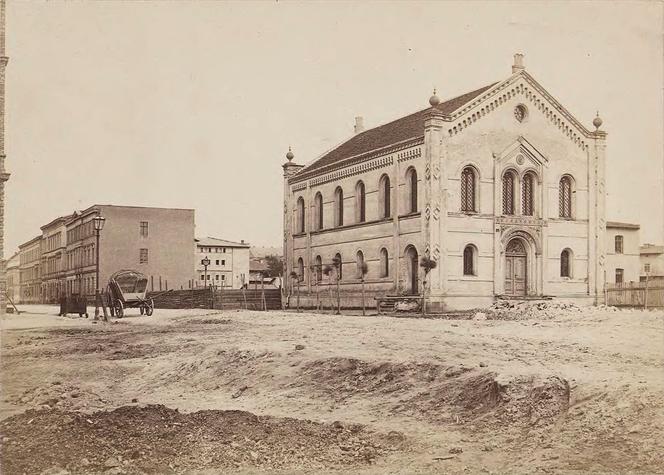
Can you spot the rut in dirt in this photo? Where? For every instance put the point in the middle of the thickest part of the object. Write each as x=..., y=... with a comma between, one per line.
x=156, y=439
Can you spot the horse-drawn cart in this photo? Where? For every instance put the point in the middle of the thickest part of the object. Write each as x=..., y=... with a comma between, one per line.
x=127, y=289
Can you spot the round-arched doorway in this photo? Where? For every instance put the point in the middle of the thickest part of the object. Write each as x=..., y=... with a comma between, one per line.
x=412, y=271
x=516, y=265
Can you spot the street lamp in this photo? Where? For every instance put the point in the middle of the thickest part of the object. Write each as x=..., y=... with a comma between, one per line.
x=206, y=262
x=98, y=223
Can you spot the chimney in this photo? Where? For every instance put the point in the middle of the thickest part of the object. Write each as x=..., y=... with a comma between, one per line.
x=518, y=63
x=359, y=124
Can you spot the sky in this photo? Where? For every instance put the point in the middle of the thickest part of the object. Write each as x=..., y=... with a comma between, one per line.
x=194, y=104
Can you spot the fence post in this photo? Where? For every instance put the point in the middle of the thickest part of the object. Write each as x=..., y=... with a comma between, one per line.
x=645, y=294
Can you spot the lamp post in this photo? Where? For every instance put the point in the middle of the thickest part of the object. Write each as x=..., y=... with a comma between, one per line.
x=98, y=222
x=206, y=262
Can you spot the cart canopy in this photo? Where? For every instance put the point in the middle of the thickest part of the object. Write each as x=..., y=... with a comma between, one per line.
x=131, y=284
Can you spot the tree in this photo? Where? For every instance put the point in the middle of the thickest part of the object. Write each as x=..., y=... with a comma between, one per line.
x=296, y=277
x=313, y=272
x=275, y=266
x=327, y=270
x=364, y=269
x=336, y=263
x=428, y=265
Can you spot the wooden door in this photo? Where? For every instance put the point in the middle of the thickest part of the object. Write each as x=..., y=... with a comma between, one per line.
x=515, y=269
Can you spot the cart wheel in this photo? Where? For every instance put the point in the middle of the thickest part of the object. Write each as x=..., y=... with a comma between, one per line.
x=119, y=309
x=149, y=310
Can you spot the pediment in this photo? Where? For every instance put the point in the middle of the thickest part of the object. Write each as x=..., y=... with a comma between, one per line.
x=521, y=154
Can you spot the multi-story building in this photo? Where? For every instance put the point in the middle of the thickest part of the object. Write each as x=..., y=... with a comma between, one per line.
x=502, y=187
x=157, y=242
x=14, y=278
x=622, y=252
x=29, y=272
x=651, y=261
x=53, y=254
x=229, y=263
x=4, y=176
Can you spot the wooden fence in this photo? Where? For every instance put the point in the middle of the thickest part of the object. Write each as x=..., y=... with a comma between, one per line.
x=636, y=294
x=250, y=299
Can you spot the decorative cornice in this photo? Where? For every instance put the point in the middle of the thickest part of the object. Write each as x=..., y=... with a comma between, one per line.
x=355, y=170
x=532, y=91
x=363, y=157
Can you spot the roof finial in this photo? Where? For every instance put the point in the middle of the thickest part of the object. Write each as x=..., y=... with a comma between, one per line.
x=290, y=154
x=597, y=121
x=434, y=100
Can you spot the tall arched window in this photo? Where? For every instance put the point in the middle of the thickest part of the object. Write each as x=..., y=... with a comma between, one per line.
x=360, y=203
x=528, y=195
x=300, y=270
x=566, y=263
x=318, y=264
x=384, y=196
x=469, y=260
x=565, y=197
x=618, y=244
x=359, y=261
x=318, y=211
x=411, y=187
x=384, y=263
x=300, y=215
x=509, y=182
x=468, y=190
x=338, y=264
x=339, y=207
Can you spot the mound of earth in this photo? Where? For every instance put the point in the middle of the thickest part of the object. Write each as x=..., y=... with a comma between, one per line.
x=439, y=393
x=156, y=439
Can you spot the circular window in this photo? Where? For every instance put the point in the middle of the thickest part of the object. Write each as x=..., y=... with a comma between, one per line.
x=519, y=159
x=520, y=112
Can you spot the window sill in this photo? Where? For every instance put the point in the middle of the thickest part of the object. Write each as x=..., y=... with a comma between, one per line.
x=415, y=214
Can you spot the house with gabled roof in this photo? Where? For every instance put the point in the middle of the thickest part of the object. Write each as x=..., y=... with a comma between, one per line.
x=502, y=187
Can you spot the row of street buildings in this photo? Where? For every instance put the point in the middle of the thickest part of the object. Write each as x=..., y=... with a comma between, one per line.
x=158, y=242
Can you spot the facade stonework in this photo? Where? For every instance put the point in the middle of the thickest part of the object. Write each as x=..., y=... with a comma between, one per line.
x=4, y=176
x=502, y=187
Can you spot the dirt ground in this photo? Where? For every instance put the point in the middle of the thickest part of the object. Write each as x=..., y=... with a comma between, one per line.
x=200, y=391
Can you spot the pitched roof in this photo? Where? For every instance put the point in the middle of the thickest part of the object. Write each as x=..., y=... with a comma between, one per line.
x=211, y=241
x=411, y=126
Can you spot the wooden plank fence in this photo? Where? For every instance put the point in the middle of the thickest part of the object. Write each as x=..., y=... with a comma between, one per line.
x=636, y=294
x=250, y=299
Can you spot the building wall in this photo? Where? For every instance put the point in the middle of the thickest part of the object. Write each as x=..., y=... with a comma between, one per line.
x=14, y=279
x=232, y=266
x=169, y=243
x=628, y=260
x=29, y=271
x=653, y=257
x=4, y=176
x=54, y=244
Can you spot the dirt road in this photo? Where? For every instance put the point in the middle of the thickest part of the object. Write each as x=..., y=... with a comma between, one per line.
x=208, y=391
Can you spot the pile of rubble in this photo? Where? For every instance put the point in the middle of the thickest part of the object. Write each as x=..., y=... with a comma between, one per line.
x=537, y=309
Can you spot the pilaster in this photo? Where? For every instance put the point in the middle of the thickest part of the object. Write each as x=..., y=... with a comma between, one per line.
x=290, y=169
x=598, y=161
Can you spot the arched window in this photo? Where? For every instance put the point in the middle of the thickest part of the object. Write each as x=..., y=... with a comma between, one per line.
x=411, y=187
x=359, y=261
x=318, y=211
x=618, y=244
x=300, y=215
x=565, y=197
x=338, y=265
x=318, y=264
x=339, y=207
x=528, y=195
x=384, y=196
x=469, y=260
x=300, y=270
x=360, y=203
x=384, y=263
x=468, y=190
x=509, y=179
x=566, y=263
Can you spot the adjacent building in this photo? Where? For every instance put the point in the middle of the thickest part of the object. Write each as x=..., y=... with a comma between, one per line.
x=622, y=253
x=4, y=176
x=229, y=263
x=14, y=278
x=29, y=270
x=502, y=187
x=652, y=261
x=62, y=260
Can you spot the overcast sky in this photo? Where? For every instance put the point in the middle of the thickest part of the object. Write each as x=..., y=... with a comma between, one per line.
x=194, y=105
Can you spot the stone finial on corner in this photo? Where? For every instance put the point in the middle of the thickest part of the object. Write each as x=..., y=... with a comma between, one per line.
x=597, y=122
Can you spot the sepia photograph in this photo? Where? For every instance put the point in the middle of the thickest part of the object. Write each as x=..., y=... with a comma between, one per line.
x=331, y=237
